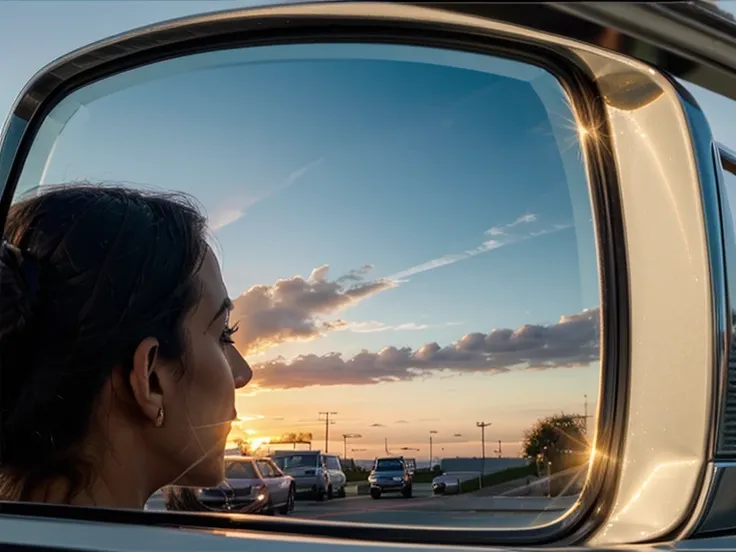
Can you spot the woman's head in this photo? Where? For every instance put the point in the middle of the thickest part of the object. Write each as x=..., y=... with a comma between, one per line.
x=115, y=350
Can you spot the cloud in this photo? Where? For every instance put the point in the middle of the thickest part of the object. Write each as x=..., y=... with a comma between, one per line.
x=572, y=341
x=373, y=326
x=377, y=425
x=501, y=230
x=294, y=308
x=401, y=422
x=234, y=208
x=500, y=237
x=227, y=214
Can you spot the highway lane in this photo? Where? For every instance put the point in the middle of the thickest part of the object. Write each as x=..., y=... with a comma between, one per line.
x=425, y=509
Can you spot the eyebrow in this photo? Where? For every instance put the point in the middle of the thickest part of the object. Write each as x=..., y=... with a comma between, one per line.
x=227, y=305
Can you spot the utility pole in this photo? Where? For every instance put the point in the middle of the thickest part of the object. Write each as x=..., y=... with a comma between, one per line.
x=431, y=432
x=483, y=426
x=327, y=427
x=345, y=437
x=585, y=416
x=498, y=450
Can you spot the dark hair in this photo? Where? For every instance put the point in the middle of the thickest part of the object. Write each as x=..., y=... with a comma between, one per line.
x=86, y=273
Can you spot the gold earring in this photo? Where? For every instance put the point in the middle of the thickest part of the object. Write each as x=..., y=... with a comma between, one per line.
x=160, y=417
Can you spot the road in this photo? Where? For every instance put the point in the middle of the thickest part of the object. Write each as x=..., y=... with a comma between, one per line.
x=425, y=509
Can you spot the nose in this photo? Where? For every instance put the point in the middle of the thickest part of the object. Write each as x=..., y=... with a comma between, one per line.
x=242, y=372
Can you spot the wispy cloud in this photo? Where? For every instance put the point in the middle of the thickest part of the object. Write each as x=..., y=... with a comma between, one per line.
x=234, y=208
x=377, y=425
x=499, y=237
x=501, y=230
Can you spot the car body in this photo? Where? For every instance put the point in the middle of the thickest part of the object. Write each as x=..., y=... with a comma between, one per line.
x=661, y=476
x=391, y=474
x=338, y=479
x=446, y=483
x=309, y=471
x=252, y=485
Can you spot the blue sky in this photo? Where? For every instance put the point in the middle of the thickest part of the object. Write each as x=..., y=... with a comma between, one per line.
x=435, y=212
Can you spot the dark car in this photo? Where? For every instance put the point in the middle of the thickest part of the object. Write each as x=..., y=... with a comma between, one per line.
x=392, y=474
x=251, y=486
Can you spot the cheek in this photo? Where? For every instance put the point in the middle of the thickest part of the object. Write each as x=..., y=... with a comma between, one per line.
x=212, y=391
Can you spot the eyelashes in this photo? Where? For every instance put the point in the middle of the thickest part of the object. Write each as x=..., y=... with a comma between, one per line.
x=227, y=335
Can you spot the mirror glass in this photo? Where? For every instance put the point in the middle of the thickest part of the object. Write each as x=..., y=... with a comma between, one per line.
x=408, y=240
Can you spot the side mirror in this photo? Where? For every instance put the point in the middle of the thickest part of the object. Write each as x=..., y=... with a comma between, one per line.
x=502, y=177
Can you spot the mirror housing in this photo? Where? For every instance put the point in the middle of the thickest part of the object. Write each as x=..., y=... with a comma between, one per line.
x=654, y=186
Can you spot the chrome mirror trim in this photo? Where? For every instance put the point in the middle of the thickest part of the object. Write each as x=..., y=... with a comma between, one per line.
x=694, y=40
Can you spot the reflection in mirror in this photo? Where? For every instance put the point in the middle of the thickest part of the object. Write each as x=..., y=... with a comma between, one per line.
x=408, y=237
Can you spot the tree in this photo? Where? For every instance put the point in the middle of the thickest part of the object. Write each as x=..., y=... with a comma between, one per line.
x=558, y=441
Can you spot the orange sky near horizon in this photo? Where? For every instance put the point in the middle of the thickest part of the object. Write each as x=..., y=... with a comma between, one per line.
x=405, y=412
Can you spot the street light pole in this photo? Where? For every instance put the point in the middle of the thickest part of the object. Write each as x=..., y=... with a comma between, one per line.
x=483, y=426
x=431, y=432
x=345, y=437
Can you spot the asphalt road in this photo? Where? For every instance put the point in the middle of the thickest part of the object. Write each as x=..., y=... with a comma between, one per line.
x=424, y=509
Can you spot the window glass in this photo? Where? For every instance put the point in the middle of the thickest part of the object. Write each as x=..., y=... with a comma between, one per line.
x=276, y=470
x=389, y=464
x=265, y=468
x=240, y=470
x=289, y=462
x=407, y=237
x=333, y=463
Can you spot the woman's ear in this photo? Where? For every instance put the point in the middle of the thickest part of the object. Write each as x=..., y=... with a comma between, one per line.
x=145, y=380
